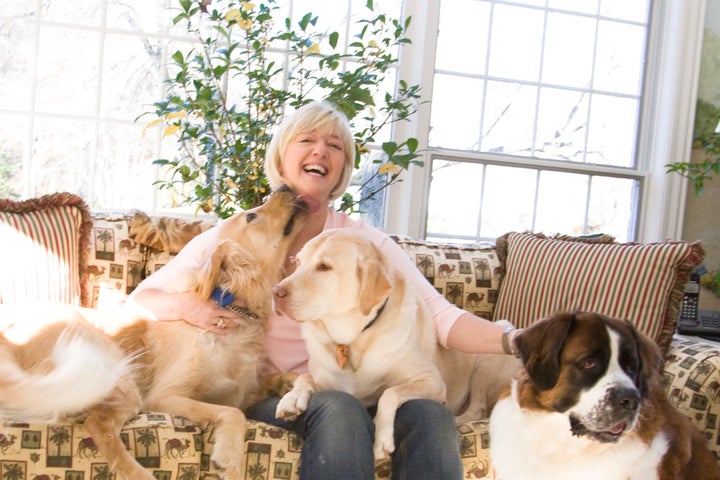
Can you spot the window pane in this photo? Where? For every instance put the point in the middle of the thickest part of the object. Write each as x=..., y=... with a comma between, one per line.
x=611, y=207
x=85, y=12
x=456, y=50
x=14, y=130
x=131, y=76
x=514, y=55
x=611, y=139
x=450, y=125
x=562, y=125
x=635, y=11
x=568, y=40
x=124, y=159
x=455, y=194
x=67, y=71
x=620, y=53
x=62, y=159
x=509, y=118
x=561, y=204
x=140, y=15
x=509, y=200
x=16, y=64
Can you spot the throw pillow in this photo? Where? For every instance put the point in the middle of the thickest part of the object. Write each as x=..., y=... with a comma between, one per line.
x=466, y=275
x=43, y=243
x=642, y=283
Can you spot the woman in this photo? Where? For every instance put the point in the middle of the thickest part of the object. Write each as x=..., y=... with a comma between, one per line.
x=313, y=153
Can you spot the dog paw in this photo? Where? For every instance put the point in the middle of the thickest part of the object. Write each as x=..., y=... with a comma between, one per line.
x=292, y=404
x=229, y=463
x=384, y=443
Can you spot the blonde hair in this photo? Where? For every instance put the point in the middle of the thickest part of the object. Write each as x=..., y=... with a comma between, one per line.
x=315, y=116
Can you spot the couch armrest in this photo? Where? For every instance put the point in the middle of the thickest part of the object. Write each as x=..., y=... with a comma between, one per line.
x=692, y=382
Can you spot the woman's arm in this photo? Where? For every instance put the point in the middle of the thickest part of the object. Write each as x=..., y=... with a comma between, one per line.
x=159, y=305
x=473, y=334
x=150, y=300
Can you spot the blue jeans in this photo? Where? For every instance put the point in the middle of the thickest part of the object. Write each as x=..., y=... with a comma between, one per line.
x=339, y=432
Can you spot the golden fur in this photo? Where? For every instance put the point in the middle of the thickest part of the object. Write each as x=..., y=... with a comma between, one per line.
x=579, y=410
x=138, y=364
x=346, y=294
x=167, y=234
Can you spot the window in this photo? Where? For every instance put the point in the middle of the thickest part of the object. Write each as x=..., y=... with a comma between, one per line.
x=540, y=114
x=76, y=79
x=543, y=118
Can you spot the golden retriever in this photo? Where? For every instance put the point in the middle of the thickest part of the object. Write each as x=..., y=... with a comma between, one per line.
x=369, y=333
x=56, y=361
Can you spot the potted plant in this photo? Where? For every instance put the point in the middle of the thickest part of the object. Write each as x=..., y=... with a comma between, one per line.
x=230, y=89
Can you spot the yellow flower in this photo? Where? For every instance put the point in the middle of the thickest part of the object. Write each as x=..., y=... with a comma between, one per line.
x=233, y=14
x=372, y=44
x=244, y=23
x=388, y=167
x=247, y=6
x=314, y=48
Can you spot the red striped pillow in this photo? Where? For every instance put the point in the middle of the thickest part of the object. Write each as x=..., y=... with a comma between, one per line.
x=642, y=283
x=42, y=242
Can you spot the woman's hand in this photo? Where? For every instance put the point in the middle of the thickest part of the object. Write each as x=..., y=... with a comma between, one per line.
x=162, y=306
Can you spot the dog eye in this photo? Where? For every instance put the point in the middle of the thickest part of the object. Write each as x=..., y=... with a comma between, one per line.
x=588, y=364
x=250, y=217
x=323, y=267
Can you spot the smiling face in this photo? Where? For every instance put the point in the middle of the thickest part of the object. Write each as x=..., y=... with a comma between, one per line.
x=313, y=163
x=305, y=150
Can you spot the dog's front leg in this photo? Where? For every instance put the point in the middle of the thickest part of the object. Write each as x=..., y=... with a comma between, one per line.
x=104, y=423
x=230, y=426
x=295, y=402
x=391, y=399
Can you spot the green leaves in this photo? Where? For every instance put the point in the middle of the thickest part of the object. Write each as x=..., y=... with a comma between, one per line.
x=703, y=170
x=230, y=89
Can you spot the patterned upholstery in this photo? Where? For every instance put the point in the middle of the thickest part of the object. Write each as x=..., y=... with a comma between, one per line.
x=174, y=449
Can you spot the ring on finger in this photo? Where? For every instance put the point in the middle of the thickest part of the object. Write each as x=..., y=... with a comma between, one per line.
x=220, y=323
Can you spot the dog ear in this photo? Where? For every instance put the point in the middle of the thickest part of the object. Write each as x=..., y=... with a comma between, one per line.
x=225, y=252
x=374, y=283
x=540, y=346
x=651, y=362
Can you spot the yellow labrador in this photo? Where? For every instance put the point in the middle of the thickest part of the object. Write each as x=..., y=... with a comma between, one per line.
x=368, y=333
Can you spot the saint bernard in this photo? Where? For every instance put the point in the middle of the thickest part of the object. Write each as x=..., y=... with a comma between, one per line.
x=589, y=404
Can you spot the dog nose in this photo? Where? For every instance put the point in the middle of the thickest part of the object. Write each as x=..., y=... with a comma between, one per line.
x=627, y=398
x=279, y=291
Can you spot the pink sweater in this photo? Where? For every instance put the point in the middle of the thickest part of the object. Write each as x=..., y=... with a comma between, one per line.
x=284, y=345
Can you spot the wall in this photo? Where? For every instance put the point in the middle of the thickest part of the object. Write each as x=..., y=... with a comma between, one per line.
x=702, y=215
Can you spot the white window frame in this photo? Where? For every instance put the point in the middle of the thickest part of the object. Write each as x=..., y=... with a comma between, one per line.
x=671, y=80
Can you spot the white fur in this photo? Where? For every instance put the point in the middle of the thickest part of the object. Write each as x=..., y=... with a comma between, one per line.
x=84, y=373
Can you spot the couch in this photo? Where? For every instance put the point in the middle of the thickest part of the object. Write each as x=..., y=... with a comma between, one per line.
x=53, y=248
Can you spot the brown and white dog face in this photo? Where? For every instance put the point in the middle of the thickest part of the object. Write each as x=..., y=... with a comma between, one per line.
x=339, y=275
x=593, y=368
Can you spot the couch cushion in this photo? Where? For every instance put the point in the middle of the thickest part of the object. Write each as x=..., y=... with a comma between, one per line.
x=639, y=282
x=43, y=243
x=467, y=275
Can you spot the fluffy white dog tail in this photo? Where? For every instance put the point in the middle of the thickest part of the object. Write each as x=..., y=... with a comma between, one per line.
x=84, y=372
